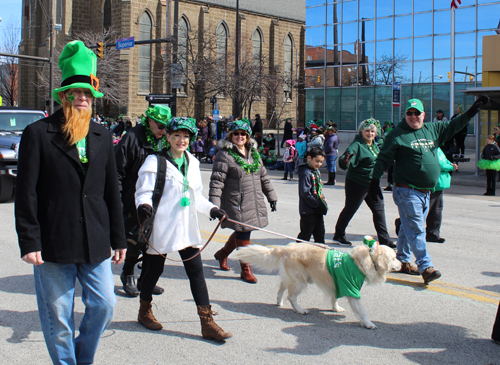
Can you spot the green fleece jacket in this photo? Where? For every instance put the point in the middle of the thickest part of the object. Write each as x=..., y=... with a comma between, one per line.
x=415, y=151
x=360, y=167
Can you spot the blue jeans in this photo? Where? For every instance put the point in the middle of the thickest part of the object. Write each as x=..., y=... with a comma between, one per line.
x=330, y=163
x=55, y=291
x=413, y=207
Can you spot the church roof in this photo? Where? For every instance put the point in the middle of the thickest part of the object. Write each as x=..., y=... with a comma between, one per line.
x=291, y=9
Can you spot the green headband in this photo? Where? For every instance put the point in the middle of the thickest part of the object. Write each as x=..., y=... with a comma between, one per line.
x=367, y=122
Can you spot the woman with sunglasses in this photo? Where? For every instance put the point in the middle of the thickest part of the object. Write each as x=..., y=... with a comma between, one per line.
x=176, y=227
x=238, y=185
x=359, y=159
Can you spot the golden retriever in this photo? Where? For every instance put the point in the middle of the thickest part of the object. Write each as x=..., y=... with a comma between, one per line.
x=302, y=263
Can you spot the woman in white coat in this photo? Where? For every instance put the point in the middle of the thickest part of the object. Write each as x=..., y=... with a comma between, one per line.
x=176, y=226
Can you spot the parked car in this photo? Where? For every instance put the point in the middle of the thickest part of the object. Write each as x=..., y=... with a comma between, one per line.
x=12, y=123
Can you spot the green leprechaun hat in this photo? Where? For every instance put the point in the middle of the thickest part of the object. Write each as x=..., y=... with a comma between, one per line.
x=79, y=67
x=159, y=113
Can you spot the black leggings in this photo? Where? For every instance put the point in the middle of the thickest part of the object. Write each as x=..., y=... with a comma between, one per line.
x=355, y=194
x=194, y=270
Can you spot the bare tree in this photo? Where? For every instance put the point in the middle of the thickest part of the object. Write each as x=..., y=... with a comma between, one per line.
x=388, y=66
x=108, y=69
x=11, y=37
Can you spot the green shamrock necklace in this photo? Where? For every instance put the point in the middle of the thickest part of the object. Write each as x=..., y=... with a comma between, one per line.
x=246, y=166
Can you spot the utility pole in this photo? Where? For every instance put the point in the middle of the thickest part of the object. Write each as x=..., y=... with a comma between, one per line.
x=173, y=106
x=51, y=57
x=236, y=106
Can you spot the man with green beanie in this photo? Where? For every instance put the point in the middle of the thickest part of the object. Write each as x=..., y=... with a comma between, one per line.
x=68, y=212
x=413, y=146
x=144, y=139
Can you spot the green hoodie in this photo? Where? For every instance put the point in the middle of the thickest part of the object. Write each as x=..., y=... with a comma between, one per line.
x=360, y=167
x=415, y=151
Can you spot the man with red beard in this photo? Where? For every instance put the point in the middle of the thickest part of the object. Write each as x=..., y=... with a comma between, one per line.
x=68, y=212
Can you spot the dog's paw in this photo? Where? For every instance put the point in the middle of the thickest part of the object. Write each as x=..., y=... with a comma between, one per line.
x=301, y=311
x=338, y=309
x=369, y=325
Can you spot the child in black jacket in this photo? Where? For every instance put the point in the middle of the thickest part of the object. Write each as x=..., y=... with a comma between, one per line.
x=490, y=161
x=312, y=203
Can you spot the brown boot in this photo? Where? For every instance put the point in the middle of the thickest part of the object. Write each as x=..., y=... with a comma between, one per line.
x=246, y=270
x=224, y=252
x=209, y=329
x=146, y=317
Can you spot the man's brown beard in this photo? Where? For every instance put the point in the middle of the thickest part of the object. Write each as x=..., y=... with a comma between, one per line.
x=77, y=123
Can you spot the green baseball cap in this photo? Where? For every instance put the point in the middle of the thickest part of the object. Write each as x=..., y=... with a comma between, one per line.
x=416, y=104
x=79, y=68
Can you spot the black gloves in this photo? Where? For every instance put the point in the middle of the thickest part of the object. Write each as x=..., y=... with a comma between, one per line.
x=347, y=158
x=144, y=212
x=374, y=191
x=480, y=102
x=273, y=206
x=217, y=213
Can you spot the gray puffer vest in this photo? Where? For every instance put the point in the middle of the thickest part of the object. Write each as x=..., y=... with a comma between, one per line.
x=240, y=194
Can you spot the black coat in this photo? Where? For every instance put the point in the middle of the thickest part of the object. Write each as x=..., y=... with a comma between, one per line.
x=288, y=134
x=130, y=154
x=71, y=216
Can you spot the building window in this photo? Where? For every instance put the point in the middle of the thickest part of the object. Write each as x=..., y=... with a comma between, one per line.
x=106, y=23
x=256, y=49
x=287, y=68
x=182, y=52
x=145, y=27
x=221, y=33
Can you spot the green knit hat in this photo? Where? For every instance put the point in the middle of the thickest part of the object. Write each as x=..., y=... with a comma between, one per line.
x=79, y=68
x=159, y=113
x=243, y=124
x=177, y=123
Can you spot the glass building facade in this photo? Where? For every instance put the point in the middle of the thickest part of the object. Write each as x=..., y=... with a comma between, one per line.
x=357, y=49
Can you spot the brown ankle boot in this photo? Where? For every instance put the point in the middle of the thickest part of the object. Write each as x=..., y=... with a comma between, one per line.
x=246, y=270
x=146, y=317
x=209, y=329
x=224, y=252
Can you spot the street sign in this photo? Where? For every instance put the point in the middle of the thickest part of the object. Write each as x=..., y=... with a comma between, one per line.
x=125, y=43
x=176, y=75
x=215, y=115
x=160, y=98
x=396, y=94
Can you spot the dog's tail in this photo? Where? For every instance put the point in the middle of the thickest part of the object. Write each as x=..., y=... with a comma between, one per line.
x=265, y=258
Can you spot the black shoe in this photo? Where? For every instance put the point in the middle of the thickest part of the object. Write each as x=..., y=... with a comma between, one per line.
x=158, y=290
x=438, y=240
x=129, y=286
x=342, y=241
x=388, y=188
x=389, y=244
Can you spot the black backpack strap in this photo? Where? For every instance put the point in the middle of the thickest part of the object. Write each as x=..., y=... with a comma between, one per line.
x=161, y=175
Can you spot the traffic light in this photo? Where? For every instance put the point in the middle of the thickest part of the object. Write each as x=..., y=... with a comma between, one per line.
x=319, y=79
x=100, y=50
x=449, y=76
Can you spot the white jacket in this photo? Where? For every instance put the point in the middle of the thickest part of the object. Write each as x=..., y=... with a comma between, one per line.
x=175, y=227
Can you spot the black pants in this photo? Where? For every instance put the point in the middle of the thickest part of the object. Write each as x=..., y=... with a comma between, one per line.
x=495, y=335
x=312, y=224
x=435, y=216
x=491, y=181
x=355, y=194
x=460, y=141
x=389, y=175
x=194, y=270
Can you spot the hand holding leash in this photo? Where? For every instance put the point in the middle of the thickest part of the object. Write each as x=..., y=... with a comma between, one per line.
x=273, y=206
x=144, y=212
x=218, y=213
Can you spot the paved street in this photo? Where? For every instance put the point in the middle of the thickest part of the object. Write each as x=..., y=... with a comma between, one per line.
x=448, y=322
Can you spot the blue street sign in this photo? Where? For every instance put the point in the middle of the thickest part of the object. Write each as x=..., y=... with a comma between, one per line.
x=215, y=115
x=125, y=43
x=396, y=94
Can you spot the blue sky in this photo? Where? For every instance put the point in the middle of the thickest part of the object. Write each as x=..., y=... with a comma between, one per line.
x=11, y=9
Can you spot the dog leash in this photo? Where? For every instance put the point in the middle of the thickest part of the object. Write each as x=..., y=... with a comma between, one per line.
x=278, y=234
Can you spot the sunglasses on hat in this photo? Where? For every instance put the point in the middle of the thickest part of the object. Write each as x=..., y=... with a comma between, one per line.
x=409, y=113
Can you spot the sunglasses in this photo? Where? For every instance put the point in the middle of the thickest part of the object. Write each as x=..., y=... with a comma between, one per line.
x=160, y=125
x=239, y=133
x=417, y=113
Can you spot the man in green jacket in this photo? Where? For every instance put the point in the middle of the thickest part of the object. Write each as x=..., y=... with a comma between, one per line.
x=413, y=146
